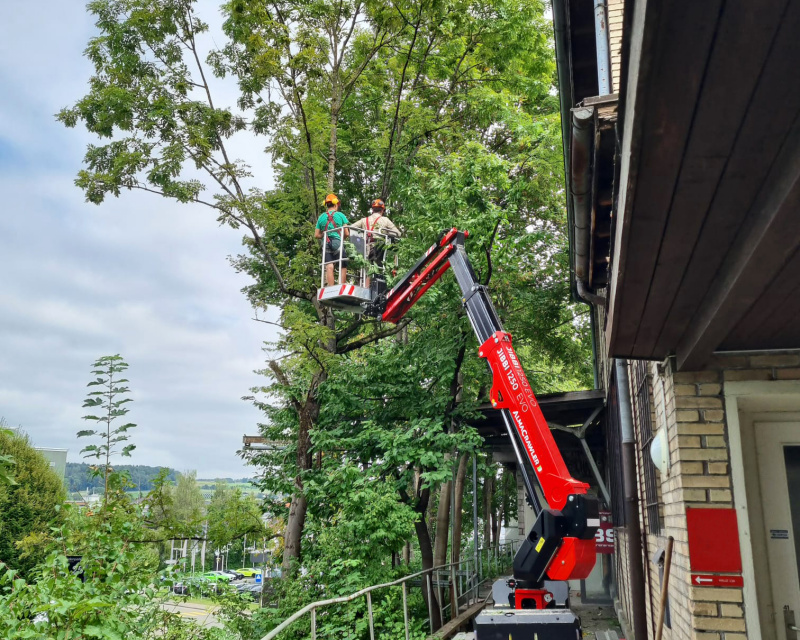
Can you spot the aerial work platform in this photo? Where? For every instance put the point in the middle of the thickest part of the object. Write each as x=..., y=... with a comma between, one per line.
x=345, y=297
x=363, y=256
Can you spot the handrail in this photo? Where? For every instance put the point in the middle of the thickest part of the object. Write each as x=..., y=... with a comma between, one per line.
x=324, y=603
x=312, y=607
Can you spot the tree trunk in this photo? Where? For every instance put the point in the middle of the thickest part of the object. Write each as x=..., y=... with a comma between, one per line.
x=334, y=141
x=293, y=535
x=498, y=524
x=442, y=525
x=461, y=475
x=426, y=555
x=488, y=490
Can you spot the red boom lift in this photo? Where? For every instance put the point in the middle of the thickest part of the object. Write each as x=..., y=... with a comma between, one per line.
x=561, y=544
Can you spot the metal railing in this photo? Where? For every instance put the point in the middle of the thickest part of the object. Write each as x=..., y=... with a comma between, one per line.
x=361, y=241
x=459, y=584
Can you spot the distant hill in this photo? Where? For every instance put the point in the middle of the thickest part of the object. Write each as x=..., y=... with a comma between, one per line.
x=78, y=478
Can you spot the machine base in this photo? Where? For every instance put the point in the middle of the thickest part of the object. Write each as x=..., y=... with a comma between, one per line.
x=527, y=624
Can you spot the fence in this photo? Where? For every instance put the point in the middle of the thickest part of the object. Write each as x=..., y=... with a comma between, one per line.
x=459, y=581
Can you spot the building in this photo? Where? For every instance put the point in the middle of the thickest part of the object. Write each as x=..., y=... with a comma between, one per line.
x=57, y=459
x=681, y=126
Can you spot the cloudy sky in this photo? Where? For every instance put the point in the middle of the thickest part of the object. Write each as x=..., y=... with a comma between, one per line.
x=138, y=275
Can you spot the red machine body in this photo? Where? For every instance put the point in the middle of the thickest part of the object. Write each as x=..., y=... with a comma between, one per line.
x=561, y=546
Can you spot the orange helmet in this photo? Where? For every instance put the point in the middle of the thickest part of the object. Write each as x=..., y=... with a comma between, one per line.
x=331, y=199
x=378, y=204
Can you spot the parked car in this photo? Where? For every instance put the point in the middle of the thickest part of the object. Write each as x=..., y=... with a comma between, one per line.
x=235, y=575
x=250, y=590
x=216, y=576
x=194, y=585
x=248, y=573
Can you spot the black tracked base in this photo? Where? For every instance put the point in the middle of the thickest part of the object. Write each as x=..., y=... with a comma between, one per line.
x=527, y=624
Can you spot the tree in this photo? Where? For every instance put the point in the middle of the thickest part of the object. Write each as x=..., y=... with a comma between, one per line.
x=188, y=499
x=111, y=401
x=232, y=515
x=6, y=461
x=444, y=107
x=30, y=506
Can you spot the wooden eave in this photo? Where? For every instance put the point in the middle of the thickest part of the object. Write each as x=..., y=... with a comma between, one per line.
x=707, y=234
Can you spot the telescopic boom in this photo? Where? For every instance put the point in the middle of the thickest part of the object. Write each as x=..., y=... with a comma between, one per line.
x=561, y=544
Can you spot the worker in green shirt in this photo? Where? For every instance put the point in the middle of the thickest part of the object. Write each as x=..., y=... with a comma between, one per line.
x=332, y=248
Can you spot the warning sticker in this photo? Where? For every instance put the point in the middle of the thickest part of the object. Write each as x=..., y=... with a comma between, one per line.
x=539, y=545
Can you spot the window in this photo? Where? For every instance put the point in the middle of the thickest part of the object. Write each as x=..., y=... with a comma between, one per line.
x=643, y=422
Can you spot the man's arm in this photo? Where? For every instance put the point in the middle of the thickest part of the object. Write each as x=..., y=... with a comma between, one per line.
x=318, y=233
x=391, y=228
x=344, y=222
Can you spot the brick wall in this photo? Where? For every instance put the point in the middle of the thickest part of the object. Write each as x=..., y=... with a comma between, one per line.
x=691, y=407
x=622, y=571
x=615, y=9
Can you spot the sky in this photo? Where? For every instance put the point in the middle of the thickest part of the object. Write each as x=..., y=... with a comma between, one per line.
x=139, y=275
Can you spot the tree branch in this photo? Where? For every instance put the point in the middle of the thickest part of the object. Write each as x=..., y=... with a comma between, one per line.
x=357, y=344
x=280, y=376
x=488, y=250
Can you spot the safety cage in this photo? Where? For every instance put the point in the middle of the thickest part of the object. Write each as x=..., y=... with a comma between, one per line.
x=364, y=254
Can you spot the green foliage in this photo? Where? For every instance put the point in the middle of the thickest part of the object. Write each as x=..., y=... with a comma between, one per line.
x=79, y=476
x=30, y=505
x=115, y=592
x=110, y=402
x=6, y=462
x=233, y=515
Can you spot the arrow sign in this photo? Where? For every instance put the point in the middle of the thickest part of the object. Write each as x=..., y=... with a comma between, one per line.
x=708, y=580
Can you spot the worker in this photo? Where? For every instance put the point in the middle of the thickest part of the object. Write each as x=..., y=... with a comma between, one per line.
x=376, y=244
x=332, y=248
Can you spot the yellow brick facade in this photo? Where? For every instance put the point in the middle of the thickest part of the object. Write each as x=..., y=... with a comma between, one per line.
x=615, y=11
x=690, y=405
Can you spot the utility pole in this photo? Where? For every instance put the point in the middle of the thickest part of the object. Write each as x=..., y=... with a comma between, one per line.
x=203, y=552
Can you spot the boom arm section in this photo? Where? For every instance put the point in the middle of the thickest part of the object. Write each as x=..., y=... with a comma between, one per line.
x=560, y=545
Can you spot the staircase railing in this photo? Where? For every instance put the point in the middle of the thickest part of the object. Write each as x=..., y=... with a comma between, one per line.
x=460, y=581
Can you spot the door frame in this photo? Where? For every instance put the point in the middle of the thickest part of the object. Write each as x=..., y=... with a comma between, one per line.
x=744, y=401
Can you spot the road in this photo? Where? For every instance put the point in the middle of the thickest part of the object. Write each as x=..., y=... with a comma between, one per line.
x=202, y=614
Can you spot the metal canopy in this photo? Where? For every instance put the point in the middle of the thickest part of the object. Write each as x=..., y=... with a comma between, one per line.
x=561, y=410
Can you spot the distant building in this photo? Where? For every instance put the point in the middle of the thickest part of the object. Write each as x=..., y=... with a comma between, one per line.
x=57, y=459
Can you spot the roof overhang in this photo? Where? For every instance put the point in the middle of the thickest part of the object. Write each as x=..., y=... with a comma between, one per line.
x=707, y=230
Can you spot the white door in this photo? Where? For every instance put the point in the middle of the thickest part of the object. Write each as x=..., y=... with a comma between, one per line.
x=778, y=452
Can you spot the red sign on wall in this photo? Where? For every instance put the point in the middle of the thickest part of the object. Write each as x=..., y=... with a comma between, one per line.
x=713, y=540
x=604, y=537
x=700, y=580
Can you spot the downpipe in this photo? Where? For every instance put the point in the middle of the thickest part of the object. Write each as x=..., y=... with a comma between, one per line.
x=632, y=525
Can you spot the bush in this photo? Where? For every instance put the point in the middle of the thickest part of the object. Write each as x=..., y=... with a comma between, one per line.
x=29, y=507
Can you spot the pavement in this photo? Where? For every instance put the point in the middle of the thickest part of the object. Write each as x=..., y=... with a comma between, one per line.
x=202, y=614
x=595, y=618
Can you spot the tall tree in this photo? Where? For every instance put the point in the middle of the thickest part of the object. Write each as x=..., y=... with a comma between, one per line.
x=444, y=106
x=108, y=402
